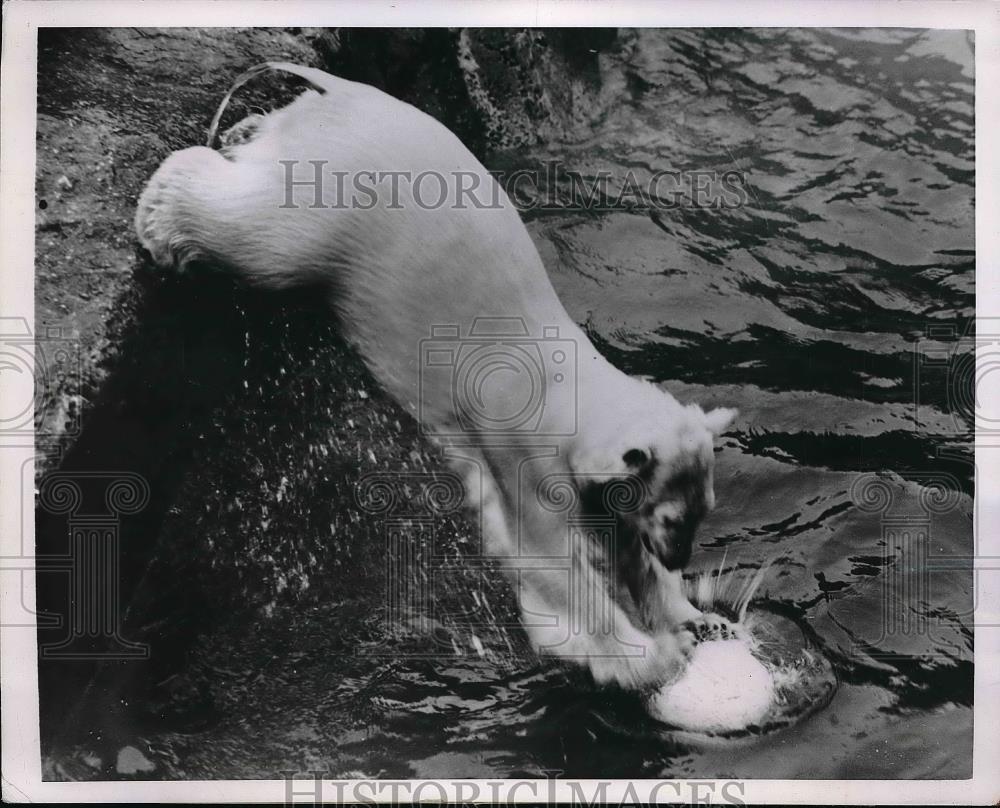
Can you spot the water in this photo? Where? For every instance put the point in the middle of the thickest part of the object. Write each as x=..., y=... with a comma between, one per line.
x=832, y=309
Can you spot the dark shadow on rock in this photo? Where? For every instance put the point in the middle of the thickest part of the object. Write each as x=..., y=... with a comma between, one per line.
x=231, y=406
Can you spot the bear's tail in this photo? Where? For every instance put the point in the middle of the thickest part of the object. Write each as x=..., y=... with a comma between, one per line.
x=320, y=81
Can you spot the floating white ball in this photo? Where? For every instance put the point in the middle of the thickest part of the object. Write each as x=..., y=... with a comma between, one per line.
x=723, y=688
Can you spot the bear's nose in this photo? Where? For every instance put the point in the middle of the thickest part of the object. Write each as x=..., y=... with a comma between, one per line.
x=676, y=553
x=671, y=545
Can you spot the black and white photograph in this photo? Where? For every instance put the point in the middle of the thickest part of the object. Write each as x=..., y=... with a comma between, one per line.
x=498, y=412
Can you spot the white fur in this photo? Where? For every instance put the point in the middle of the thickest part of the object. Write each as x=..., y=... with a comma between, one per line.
x=393, y=274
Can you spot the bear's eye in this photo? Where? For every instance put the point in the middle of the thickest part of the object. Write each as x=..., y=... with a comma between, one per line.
x=635, y=457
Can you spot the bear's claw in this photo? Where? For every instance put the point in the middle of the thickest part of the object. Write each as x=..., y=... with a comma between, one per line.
x=712, y=626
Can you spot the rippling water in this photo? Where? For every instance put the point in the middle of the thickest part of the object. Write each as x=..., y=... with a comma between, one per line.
x=833, y=309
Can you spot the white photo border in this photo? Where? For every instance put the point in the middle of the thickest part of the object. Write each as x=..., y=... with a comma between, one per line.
x=21, y=766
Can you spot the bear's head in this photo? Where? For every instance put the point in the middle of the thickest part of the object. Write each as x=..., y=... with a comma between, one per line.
x=651, y=466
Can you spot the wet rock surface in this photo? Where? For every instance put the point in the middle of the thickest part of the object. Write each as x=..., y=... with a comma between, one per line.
x=112, y=104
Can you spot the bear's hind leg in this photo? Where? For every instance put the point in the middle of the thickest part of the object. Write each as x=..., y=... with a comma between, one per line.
x=227, y=210
x=205, y=206
x=174, y=219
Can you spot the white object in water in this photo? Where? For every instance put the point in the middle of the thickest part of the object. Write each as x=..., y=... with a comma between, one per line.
x=723, y=688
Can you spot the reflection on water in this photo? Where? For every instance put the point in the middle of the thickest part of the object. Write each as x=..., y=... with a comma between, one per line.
x=831, y=309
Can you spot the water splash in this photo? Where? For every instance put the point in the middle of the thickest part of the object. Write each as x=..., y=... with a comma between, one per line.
x=726, y=590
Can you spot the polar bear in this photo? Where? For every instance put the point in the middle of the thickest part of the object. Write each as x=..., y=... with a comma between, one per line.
x=314, y=194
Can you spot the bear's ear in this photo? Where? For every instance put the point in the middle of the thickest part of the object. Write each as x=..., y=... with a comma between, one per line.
x=719, y=419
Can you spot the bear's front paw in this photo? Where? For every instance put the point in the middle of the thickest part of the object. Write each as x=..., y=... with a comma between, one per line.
x=641, y=662
x=241, y=132
x=685, y=639
x=712, y=626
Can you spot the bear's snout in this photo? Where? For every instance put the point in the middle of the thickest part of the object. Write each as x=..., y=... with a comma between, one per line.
x=668, y=531
x=671, y=544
